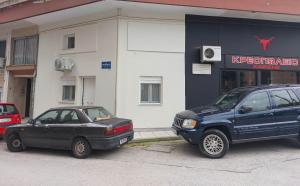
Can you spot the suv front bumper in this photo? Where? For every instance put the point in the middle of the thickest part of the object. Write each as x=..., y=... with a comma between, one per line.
x=193, y=136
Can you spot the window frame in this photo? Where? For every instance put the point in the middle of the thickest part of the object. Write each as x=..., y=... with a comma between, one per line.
x=151, y=80
x=25, y=50
x=73, y=91
x=66, y=41
x=68, y=82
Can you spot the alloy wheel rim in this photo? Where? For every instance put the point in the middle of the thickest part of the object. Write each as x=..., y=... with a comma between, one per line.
x=213, y=144
x=80, y=147
x=16, y=143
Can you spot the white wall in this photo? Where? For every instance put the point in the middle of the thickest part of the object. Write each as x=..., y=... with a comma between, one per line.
x=94, y=42
x=150, y=48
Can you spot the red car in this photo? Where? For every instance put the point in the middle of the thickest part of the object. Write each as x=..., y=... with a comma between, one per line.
x=9, y=115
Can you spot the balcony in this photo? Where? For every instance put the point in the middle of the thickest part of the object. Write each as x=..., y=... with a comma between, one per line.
x=24, y=56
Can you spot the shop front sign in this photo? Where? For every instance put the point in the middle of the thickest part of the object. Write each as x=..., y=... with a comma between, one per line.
x=264, y=63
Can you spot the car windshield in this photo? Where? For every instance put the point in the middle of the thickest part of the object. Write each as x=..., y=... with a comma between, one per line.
x=98, y=113
x=8, y=109
x=229, y=100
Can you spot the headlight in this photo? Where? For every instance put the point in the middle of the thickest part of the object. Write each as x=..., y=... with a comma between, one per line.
x=189, y=123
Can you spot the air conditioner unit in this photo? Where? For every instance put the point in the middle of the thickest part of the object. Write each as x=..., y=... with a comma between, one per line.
x=210, y=54
x=2, y=62
x=64, y=64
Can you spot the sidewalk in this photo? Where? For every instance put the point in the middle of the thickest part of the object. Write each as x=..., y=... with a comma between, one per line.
x=147, y=134
x=154, y=133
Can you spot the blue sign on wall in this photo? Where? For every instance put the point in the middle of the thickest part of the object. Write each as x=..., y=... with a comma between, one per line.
x=106, y=64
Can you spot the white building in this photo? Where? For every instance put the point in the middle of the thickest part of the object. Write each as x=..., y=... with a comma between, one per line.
x=128, y=57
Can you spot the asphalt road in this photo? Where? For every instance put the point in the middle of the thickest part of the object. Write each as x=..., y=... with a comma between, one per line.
x=165, y=163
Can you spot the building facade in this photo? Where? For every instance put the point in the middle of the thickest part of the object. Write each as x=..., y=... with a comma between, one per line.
x=141, y=60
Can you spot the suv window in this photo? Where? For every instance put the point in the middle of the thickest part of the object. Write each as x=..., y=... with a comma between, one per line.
x=68, y=116
x=297, y=91
x=282, y=98
x=258, y=102
x=48, y=118
x=295, y=99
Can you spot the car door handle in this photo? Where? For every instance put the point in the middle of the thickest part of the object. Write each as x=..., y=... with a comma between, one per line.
x=269, y=114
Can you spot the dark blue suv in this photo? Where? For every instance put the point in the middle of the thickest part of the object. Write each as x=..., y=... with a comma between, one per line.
x=242, y=115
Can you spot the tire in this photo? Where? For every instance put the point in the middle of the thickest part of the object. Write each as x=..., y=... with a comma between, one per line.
x=14, y=143
x=214, y=144
x=81, y=148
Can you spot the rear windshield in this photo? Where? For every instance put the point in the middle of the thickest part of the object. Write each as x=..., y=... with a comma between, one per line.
x=97, y=114
x=8, y=109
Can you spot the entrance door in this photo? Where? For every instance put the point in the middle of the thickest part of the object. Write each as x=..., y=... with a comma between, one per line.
x=88, y=93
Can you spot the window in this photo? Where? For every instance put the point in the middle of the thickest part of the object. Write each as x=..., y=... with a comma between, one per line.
x=96, y=114
x=297, y=91
x=229, y=100
x=25, y=50
x=8, y=109
x=282, y=98
x=68, y=93
x=150, y=90
x=278, y=77
x=294, y=97
x=234, y=79
x=257, y=102
x=69, y=41
x=48, y=118
x=68, y=116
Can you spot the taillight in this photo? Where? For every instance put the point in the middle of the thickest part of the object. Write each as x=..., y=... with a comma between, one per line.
x=16, y=119
x=118, y=130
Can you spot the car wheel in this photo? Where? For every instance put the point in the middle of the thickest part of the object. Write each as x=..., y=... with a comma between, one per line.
x=14, y=143
x=81, y=148
x=214, y=144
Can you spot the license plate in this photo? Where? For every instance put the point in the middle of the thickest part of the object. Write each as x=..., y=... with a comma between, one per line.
x=3, y=120
x=124, y=140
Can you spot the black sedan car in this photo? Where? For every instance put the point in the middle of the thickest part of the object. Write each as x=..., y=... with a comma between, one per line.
x=79, y=129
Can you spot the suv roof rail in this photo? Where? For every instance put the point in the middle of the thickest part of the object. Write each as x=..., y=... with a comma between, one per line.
x=285, y=85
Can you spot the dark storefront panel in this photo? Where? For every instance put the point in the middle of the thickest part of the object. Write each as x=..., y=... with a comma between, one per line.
x=254, y=52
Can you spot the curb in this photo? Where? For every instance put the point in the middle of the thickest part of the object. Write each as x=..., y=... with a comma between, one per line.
x=154, y=139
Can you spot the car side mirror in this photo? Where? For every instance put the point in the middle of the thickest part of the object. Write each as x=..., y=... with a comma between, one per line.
x=245, y=109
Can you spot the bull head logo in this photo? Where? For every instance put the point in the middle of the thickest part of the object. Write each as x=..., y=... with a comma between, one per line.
x=265, y=43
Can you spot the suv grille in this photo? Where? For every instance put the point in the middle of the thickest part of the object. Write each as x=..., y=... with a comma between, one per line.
x=178, y=122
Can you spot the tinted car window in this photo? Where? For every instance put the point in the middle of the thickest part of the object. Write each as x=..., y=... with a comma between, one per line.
x=8, y=109
x=68, y=116
x=257, y=102
x=294, y=97
x=48, y=118
x=229, y=100
x=282, y=98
